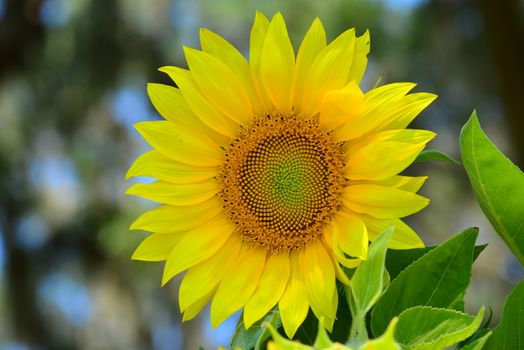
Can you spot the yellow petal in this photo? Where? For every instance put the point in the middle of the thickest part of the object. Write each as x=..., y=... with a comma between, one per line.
x=238, y=285
x=197, y=245
x=340, y=106
x=329, y=321
x=203, y=109
x=294, y=304
x=329, y=71
x=168, y=218
x=156, y=246
x=403, y=236
x=407, y=183
x=314, y=41
x=270, y=288
x=400, y=146
x=155, y=164
x=377, y=102
x=256, y=42
x=411, y=136
x=219, y=84
x=380, y=160
x=205, y=276
x=351, y=235
x=187, y=148
x=339, y=273
x=382, y=202
x=277, y=65
x=170, y=103
x=319, y=277
x=333, y=249
x=350, y=263
x=192, y=310
x=220, y=48
x=360, y=58
x=386, y=95
x=404, y=111
x=179, y=195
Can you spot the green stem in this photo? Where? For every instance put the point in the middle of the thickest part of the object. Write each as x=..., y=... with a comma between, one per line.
x=358, y=330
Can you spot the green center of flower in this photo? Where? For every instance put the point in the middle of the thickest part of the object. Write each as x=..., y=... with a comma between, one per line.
x=287, y=181
x=281, y=182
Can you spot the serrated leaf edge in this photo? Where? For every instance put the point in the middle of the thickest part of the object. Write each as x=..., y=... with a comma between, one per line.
x=476, y=319
x=475, y=229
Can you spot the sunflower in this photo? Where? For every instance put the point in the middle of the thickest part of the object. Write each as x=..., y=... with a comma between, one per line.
x=274, y=173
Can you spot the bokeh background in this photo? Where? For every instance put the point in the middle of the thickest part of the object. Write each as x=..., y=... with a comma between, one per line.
x=72, y=83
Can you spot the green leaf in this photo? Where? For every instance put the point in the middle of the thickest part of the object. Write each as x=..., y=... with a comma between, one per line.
x=398, y=260
x=459, y=303
x=367, y=285
x=282, y=343
x=426, y=328
x=509, y=334
x=478, y=344
x=322, y=340
x=368, y=280
x=255, y=336
x=481, y=332
x=386, y=341
x=497, y=183
x=431, y=154
x=436, y=279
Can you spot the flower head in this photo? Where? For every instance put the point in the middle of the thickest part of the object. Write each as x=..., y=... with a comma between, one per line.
x=275, y=173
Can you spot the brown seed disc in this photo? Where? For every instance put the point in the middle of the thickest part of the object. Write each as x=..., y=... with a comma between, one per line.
x=282, y=181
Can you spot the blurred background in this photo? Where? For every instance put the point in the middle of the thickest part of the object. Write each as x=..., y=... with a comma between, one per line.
x=72, y=83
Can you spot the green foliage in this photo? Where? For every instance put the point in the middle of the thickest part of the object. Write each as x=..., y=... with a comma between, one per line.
x=367, y=284
x=509, y=334
x=368, y=280
x=322, y=340
x=427, y=328
x=431, y=154
x=497, y=183
x=398, y=260
x=386, y=341
x=478, y=344
x=436, y=279
x=254, y=337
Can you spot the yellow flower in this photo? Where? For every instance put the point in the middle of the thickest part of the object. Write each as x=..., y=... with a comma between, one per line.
x=276, y=172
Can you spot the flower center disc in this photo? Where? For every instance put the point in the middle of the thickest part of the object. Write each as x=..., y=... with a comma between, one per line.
x=282, y=180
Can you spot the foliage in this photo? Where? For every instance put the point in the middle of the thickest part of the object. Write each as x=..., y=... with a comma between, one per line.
x=423, y=327
x=255, y=336
x=508, y=334
x=431, y=154
x=436, y=279
x=497, y=183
